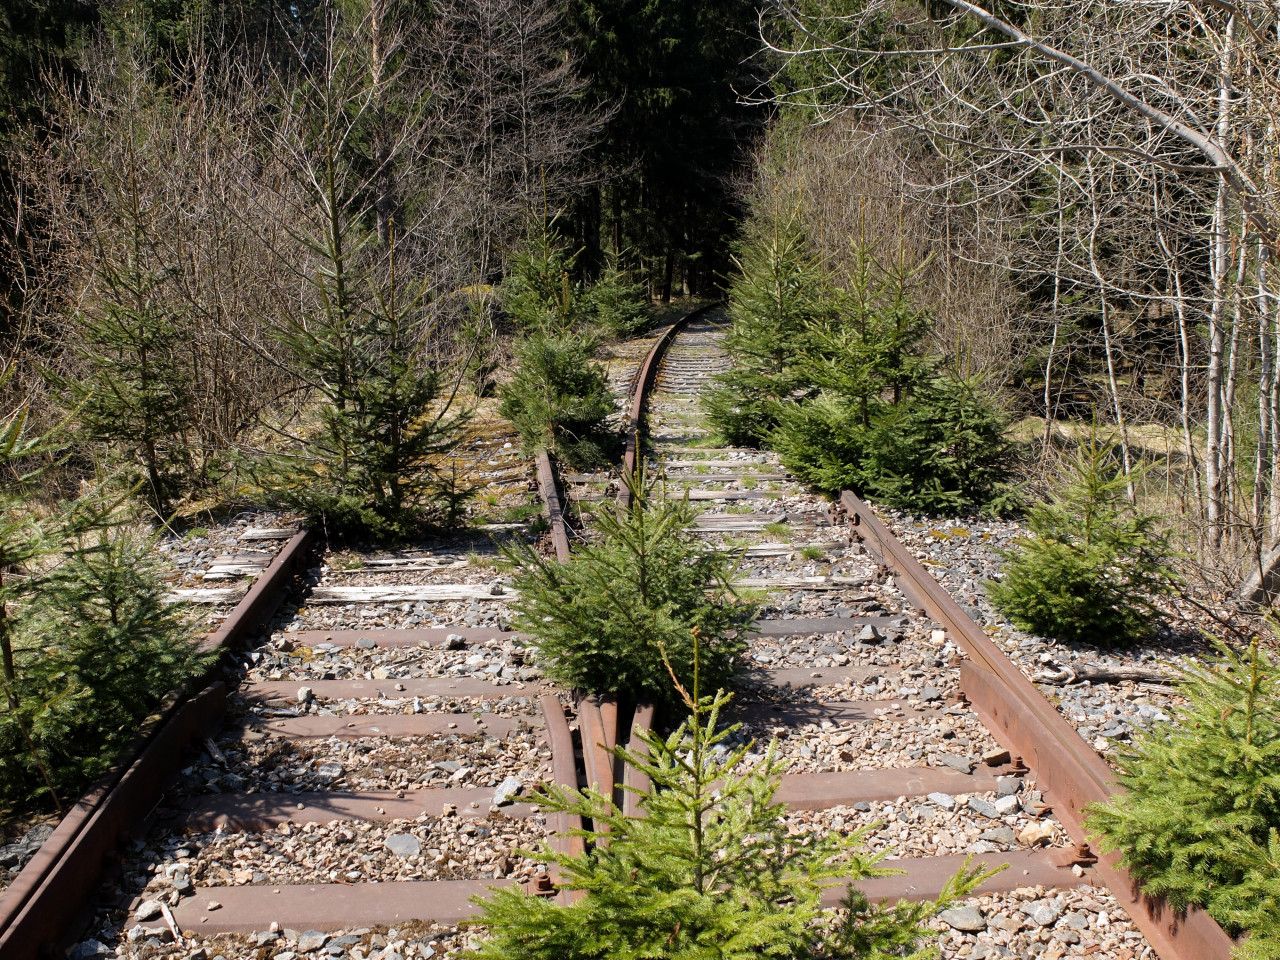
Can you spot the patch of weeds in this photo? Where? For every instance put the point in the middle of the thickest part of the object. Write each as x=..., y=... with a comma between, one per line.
x=483, y=561
x=345, y=560
x=520, y=513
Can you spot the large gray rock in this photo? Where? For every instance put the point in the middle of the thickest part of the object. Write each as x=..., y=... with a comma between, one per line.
x=404, y=844
x=147, y=910
x=1008, y=786
x=87, y=949
x=312, y=940
x=507, y=791
x=963, y=764
x=964, y=919
x=984, y=808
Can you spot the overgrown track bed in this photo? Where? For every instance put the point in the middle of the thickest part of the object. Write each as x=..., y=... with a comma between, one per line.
x=893, y=707
x=365, y=779
x=361, y=766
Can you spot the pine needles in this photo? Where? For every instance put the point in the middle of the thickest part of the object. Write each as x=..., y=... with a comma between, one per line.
x=1093, y=566
x=836, y=380
x=1198, y=822
x=641, y=588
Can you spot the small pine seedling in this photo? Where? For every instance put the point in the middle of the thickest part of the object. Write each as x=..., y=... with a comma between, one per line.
x=708, y=868
x=1093, y=565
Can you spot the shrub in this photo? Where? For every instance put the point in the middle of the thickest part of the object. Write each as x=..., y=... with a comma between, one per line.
x=1092, y=566
x=709, y=869
x=559, y=399
x=941, y=450
x=97, y=648
x=1197, y=823
x=604, y=621
x=616, y=304
x=823, y=442
x=540, y=293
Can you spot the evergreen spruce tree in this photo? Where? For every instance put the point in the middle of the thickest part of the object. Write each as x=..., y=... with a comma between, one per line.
x=942, y=450
x=635, y=593
x=559, y=399
x=1093, y=565
x=88, y=643
x=541, y=293
x=1197, y=823
x=98, y=647
x=375, y=462
x=616, y=303
x=1259, y=891
x=882, y=420
x=33, y=527
x=778, y=293
x=371, y=456
x=867, y=352
x=24, y=533
x=133, y=394
x=707, y=869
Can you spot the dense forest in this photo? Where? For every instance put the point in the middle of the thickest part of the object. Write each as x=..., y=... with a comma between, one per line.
x=1088, y=226
x=1011, y=261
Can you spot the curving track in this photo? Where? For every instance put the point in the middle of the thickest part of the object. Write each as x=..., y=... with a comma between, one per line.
x=893, y=706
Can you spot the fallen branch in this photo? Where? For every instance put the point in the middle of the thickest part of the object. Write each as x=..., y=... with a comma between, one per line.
x=1065, y=676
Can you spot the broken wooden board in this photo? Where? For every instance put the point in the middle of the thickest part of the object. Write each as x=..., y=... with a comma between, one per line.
x=413, y=593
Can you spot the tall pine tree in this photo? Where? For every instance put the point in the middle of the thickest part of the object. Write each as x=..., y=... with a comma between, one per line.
x=779, y=291
x=373, y=457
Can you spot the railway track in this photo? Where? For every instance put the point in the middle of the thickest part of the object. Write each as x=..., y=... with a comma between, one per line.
x=891, y=705
x=362, y=767
x=366, y=778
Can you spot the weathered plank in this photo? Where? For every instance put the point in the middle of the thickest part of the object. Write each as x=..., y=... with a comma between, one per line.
x=413, y=593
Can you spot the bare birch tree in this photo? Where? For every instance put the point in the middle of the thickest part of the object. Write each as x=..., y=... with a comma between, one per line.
x=1147, y=128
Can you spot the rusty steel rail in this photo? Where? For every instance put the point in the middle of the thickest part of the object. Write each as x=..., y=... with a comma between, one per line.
x=1071, y=771
x=46, y=897
x=634, y=782
x=44, y=901
x=553, y=503
x=640, y=385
